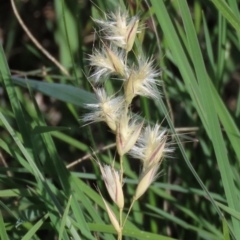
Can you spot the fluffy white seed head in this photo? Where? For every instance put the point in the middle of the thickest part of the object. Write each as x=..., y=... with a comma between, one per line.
x=112, y=181
x=107, y=62
x=108, y=109
x=120, y=29
x=128, y=131
x=146, y=179
x=151, y=146
x=142, y=81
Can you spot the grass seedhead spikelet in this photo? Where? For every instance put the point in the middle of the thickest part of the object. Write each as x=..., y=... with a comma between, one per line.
x=142, y=81
x=131, y=33
x=146, y=179
x=108, y=61
x=112, y=181
x=151, y=146
x=128, y=131
x=119, y=29
x=108, y=109
x=112, y=216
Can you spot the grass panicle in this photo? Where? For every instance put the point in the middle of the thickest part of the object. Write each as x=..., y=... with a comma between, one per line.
x=139, y=78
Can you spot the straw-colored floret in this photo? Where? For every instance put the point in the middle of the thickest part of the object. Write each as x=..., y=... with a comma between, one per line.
x=113, y=185
x=146, y=179
x=128, y=131
x=107, y=62
x=120, y=29
x=151, y=146
x=142, y=81
x=112, y=216
x=108, y=109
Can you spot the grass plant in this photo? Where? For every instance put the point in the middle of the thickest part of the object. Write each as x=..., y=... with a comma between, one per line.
x=48, y=178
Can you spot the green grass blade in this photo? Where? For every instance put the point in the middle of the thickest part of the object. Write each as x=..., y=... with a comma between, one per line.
x=59, y=91
x=179, y=55
x=64, y=178
x=3, y=232
x=73, y=142
x=184, y=224
x=227, y=13
x=214, y=130
x=36, y=171
x=229, y=210
x=238, y=105
x=209, y=45
x=227, y=121
x=136, y=234
x=188, y=76
x=222, y=33
x=5, y=77
x=79, y=195
x=68, y=24
x=15, y=193
x=39, y=177
x=226, y=235
x=64, y=218
x=78, y=213
x=16, y=155
x=60, y=33
x=233, y=4
x=29, y=235
x=46, y=129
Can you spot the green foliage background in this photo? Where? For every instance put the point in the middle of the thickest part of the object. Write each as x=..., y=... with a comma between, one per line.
x=196, y=45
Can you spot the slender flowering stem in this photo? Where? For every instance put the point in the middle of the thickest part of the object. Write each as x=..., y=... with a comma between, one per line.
x=126, y=58
x=121, y=170
x=121, y=224
x=120, y=209
x=120, y=235
x=129, y=210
